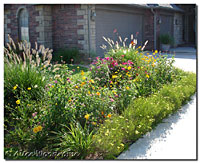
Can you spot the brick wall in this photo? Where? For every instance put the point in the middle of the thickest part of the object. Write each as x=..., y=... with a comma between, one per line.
x=64, y=29
x=44, y=28
x=11, y=21
x=88, y=41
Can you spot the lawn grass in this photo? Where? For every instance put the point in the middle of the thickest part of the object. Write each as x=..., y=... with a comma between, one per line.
x=142, y=114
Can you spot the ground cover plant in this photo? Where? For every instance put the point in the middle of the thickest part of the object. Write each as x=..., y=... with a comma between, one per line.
x=74, y=112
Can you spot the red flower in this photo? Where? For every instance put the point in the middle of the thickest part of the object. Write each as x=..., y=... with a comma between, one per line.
x=132, y=43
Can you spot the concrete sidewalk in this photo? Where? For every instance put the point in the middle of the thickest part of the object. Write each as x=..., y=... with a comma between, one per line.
x=175, y=138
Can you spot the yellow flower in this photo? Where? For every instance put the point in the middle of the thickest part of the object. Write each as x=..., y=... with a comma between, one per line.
x=76, y=86
x=82, y=84
x=69, y=101
x=35, y=130
x=82, y=72
x=94, y=123
x=156, y=51
x=52, y=86
x=84, y=77
x=78, y=67
x=18, y=102
x=29, y=88
x=109, y=115
x=39, y=128
x=147, y=76
x=56, y=104
x=122, y=145
x=127, y=88
x=129, y=68
x=136, y=132
x=87, y=116
x=98, y=93
x=114, y=76
x=91, y=81
x=15, y=87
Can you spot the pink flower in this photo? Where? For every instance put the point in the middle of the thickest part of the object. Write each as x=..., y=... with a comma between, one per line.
x=112, y=100
x=123, y=68
x=34, y=114
x=107, y=58
x=122, y=55
x=125, y=63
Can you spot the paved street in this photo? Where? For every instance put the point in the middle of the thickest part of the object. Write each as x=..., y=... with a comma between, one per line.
x=175, y=138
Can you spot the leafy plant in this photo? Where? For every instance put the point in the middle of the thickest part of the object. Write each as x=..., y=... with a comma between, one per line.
x=75, y=140
x=166, y=39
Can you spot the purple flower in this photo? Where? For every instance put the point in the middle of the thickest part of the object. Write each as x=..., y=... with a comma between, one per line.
x=56, y=81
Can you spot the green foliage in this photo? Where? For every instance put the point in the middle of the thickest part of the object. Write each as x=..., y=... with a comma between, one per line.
x=75, y=140
x=22, y=78
x=67, y=55
x=122, y=97
x=166, y=39
x=142, y=115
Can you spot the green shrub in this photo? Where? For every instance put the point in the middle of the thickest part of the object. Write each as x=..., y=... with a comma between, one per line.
x=123, y=65
x=166, y=39
x=22, y=83
x=67, y=55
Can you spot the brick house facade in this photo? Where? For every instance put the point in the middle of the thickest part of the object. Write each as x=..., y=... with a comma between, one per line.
x=78, y=25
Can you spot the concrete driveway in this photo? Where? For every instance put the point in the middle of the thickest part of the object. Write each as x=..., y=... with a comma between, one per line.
x=175, y=138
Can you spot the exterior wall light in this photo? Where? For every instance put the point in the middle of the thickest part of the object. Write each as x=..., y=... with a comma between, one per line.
x=93, y=15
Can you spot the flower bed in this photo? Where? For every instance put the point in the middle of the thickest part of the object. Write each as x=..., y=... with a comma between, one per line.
x=57, y=108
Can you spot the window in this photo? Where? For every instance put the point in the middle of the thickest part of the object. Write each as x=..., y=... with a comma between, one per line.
x=23, y=24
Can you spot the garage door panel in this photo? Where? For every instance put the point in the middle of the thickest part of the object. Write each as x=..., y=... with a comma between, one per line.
x=125, y=23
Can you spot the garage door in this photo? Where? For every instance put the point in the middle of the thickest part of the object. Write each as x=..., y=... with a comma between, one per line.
x=125, y=23
x=166, y=26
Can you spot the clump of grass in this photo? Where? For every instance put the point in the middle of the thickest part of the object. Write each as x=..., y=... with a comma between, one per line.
x=22, y=53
